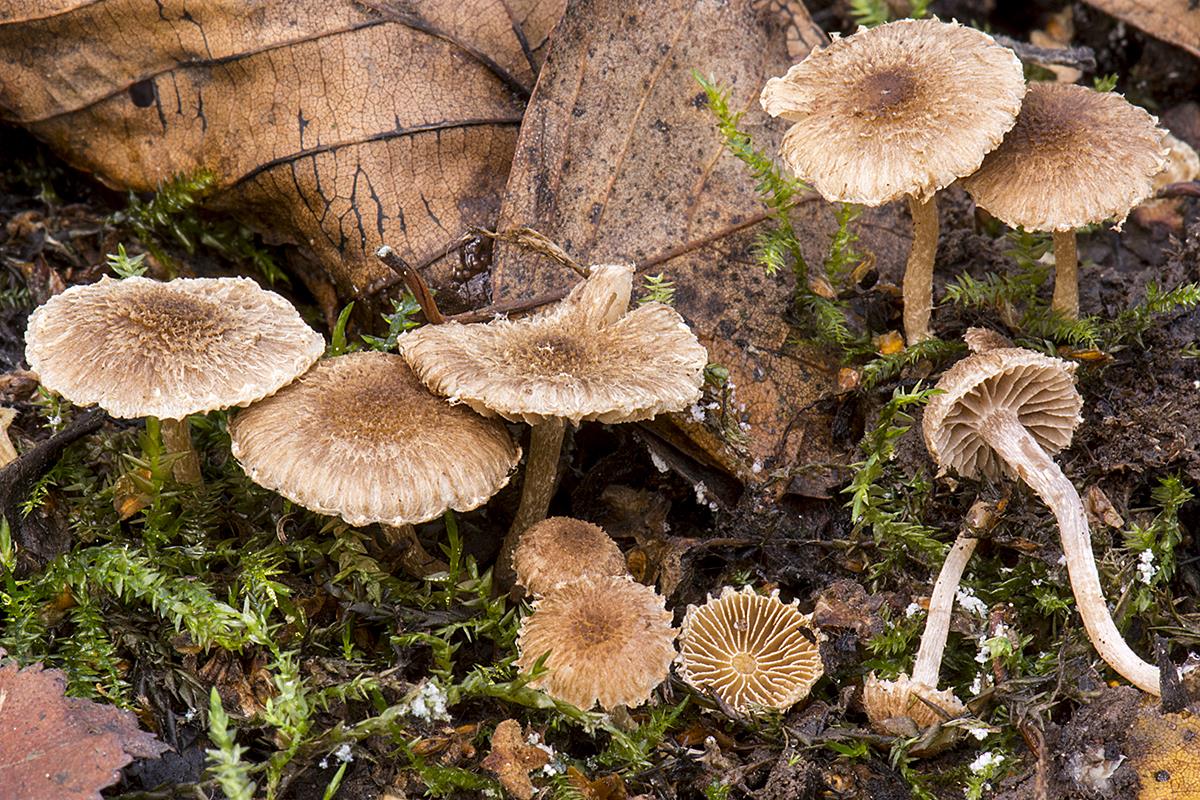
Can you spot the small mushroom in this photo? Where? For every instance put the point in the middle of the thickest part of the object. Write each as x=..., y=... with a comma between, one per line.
x=360, y=438
x=751, y=650
x=142, y=348
x=583, y=359
x=608, y=639
x=561, y=549
x=899, y=110
x=1075, y=157
x=1005, y=411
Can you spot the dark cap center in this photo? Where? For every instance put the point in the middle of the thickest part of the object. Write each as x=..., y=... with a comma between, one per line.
x=886, y=92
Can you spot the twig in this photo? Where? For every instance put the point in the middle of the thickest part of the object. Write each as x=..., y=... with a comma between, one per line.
x=1180, y=189
x=1083, y=58
x=413, y=282
x=538, y=242
x=19, y=476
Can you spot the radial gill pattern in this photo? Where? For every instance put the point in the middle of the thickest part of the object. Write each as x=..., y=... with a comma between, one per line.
x=750, y=650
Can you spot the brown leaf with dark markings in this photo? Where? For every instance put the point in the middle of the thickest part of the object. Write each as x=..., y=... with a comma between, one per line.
x=513, y=758
x=1176, y=22
x=332, y=124
x=619, y=160
x=61, y=748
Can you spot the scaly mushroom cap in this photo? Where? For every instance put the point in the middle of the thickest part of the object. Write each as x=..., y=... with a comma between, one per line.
x=610, y=641
x=751, y=650
x=1076, y=156
x=1039, y=389
x=561, y=549
x=889, y=702
x=901, y=109
x=583, y=359
x=138, y=347
x=359, y=437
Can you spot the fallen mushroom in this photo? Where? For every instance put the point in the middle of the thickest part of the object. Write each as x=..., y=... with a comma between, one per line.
x=606, y=640
x=753, y=651
x=360, y=438
x=1004, y=411
x=1075, y=157
x=561, y=549
x=164, y=351
x=583, y=359
x=899, y=110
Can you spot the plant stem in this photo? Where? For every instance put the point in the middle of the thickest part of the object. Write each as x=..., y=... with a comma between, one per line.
x=941, y=603
x=1066, y=275
x=177, y=439
x=918, y=274
x=1008, y=437
x=541, y=475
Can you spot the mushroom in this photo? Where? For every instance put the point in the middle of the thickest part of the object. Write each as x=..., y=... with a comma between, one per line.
x=751, y=650
x=583, y=359
x=360, y=438
x=907, y=705
x=142, y=348
x=1005, y=411
x=605, y=639
x=561, y=549
x=1075, y=157
x=899, y=110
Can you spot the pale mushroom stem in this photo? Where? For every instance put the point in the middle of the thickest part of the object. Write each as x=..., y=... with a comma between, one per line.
x=541, y=474
x=1066, y=275
x=414, y=558
x=1003, y=431
x=918, y=274
x=177, y=439
x=941, y=604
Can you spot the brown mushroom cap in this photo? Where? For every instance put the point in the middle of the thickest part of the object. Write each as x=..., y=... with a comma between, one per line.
x=579, y=360
x=1076, y=156
x=610, y=641
x=888, y=703
x=1039, y=389
x=138, y=347
x=561, y=549
x=751, y=650
x=359, y=437
x=901, y=109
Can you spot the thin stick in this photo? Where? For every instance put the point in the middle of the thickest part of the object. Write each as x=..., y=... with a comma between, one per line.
x=1066, y=275
x=538, y=242
x=413, y=282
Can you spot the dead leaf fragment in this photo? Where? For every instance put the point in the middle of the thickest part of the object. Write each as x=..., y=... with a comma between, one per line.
x=1100, y=510
x=59, y=747
x=606, y=787
x=1174, y=21
x=1164, y=750
x=513, y=758
x=8, y=453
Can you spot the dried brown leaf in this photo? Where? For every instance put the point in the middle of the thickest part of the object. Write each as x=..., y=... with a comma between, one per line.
x=619, y=160
x=1173, y=21
x=332, y=124
x=59, y=747
x=513, y=758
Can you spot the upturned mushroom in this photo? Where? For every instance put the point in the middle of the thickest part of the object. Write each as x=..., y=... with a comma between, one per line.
x=1075, y=157
x=898, y=111
x=585, y=358
x=141, y=348
x=359, y=437
x=606, y=640
x=1005, y=412
x=753, y=651
x=561, y=549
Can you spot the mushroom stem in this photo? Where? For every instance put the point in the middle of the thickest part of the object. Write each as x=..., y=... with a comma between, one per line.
x=177, y=440
x=941, y=603
x=1066, y=277
x=1005, y=434
x=541, y=474
x=414, y=558
x=918, y=274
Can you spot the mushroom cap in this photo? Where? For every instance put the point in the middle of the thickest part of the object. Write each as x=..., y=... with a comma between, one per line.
x=751, y=650
x=359, y=437
x=1076, y=156
x=887, y=702
x=138, y=347
x=561, y=549
x=583, y=359
x=900, y=109
x=1039, y=389
x=610, y=641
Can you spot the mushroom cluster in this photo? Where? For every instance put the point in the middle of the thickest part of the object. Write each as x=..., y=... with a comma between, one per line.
x=904, y=109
